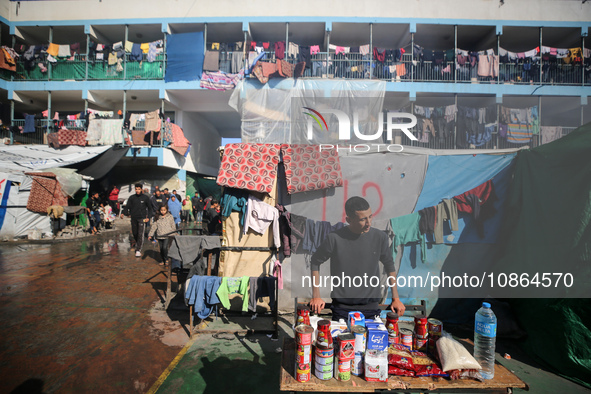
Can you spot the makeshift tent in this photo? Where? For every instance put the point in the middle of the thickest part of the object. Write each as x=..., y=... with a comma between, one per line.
x=184, y=57
x=548, y=227
x=16, y=160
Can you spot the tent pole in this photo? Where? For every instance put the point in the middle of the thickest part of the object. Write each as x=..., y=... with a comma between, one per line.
x=499, y=57
x=498, y=116
x=325, y=68
x=286, y=39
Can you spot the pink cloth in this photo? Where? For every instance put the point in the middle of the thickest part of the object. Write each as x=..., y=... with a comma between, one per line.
x=278, y=274
x=314, y=49
x=339, y=50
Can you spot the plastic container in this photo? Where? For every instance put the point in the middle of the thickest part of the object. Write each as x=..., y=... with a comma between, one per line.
x=485, y=333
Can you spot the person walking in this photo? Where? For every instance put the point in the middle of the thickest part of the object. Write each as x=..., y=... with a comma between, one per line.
x=162, y=227
x=186, y=210
x=139, y=208
x=174, y=207
x=94, y=214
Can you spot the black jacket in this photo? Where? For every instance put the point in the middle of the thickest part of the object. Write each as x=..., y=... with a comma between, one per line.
x=138, y=207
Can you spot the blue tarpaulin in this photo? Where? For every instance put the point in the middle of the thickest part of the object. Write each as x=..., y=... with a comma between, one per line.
x=184, y=54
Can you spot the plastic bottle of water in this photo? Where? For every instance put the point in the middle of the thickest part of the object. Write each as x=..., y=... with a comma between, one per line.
x=485, y=332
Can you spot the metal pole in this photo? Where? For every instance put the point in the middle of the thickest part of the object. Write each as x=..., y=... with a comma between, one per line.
x=582, y=62
x=13, y=44
x=49, y=63
x=539, y=117
x=540, y=55
x=412, y=111
x=455, y=52
x=371, y=50
x=205, y=38
x=124, y=53
x=162, y=128
x=325, y=68
x=286, y=39
x=87, y=50
x=48, y=113
x=124, y=112
x=11, y=121
x=499, y=57
x=498, y=118
x=164, y=42
x=456, y=121
x=582, y=114
x=85, y=106
x=412, y=55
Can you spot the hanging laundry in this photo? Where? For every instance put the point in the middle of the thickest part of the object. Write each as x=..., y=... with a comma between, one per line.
x=145, y=47
x=447, y=210
x=29, y=124
x=261, y=287
x=550, y=134
x=152, y=121
x=314, y=49
x=307, y=169
x=364, y=49
x=315, y=234
x=404, y=230
x=219, y=80
x=234, y=200
x=428, y=220
x=230, y=286
x=293, y=50
x=128, y=46
x=252, y=159
x=201, y=292
x=259, y=216
x=280, y=49
x=105, y=132
x=298, y=230
x=53, y=49
x=180, y=144
x=211, y=61
x=518, y=133
x=136, y=53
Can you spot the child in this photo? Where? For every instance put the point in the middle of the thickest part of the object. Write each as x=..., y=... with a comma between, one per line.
x=163, y=225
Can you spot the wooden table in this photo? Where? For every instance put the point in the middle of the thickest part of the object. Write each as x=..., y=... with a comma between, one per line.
x=504, y=380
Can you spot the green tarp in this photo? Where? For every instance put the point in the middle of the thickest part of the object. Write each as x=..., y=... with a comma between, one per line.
x=205, y=186
x=549, y=225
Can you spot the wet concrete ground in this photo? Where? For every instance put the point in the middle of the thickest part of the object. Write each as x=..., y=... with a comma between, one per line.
x=84, y=316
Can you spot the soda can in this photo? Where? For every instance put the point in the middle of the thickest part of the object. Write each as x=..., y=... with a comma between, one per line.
x=304, y=334
x=360, y=334
x=323, y=375
x=357, y=365
x=406, y=337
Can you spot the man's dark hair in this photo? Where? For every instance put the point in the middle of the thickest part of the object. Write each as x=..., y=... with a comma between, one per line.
x=355, y=204
x=139, y=185
x=166, y=188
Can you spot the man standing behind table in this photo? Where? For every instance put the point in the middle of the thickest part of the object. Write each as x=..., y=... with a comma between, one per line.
x=139, y=208
x=355, y=251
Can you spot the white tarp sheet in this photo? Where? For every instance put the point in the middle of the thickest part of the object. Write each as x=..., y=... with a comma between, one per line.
x=38, y=157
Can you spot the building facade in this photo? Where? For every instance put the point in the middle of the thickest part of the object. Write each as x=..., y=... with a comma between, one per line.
x=509, y=73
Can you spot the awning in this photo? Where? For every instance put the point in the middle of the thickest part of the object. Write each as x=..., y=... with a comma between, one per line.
x=39, y=157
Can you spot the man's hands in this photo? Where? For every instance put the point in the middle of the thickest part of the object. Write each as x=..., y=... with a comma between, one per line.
x=397, y=306
x=316, y=305
x=146, y=220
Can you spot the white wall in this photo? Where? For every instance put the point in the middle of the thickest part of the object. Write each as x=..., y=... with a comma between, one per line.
x=204, y=140
x=557, y=10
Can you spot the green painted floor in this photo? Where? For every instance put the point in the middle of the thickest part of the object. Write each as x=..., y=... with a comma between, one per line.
x=230, y=363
